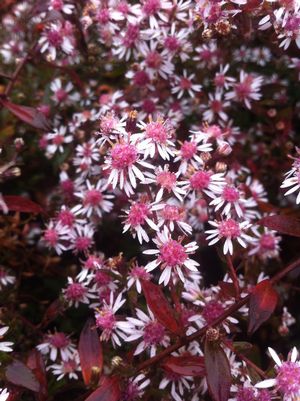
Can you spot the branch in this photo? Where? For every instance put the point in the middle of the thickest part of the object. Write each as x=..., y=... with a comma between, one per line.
x=234, y=308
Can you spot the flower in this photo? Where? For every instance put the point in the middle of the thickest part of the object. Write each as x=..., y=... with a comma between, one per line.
x=172, y=257
x=184, y=84
x=149, y=330
x=77, y=292
x=57, y=344
x=135, y=388
x=136, y=274
x=287, y=380
x=229, y=229
x=292, y=180
x=69, y=368
x=106, y=320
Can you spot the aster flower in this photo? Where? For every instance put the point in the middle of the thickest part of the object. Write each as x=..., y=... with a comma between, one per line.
x=94, y=200
x=204, y=181
x=149, y=330
x=56, y=236
x=136, y=274
x=122, y=162
x=69, y=367
x=287, y=380
x=135, y=388
x=62, y=95
x=265, y=244
x=61, y=5
x=184, y=84
x=54, y=39
x=140, y=214
x=172, y=215
x=5, y=278
x=81, y=237
x=172, y=257
x=58, y=138
x=106, y=320
x=229, y=229
x=156, y=138
x=229, y=198
x=292, y=181
x=78, y=292
x=57, y=344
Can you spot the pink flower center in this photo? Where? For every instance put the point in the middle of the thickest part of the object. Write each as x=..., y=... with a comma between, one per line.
x=154, y=60
x=57, y=4
x=66, y=218
x=123, y=156
x=148, y=106
x=185, y=83
x=243, y=89
x=188, y=150
x=103, y=16
x=75, y=291
x=219, y=80
x=93, y=197
x=54, y=38
x=200, y=180
x=153, y=333
x=229, y=229
x=171, y=213
x=132, y=34
x=293, y=24
x=172, y=253
x=102, y=278
x=61, y=95
x=59, y=340
x=106, y=320
x=157, y=132
x=138, y=213
x=212, y=310
x=267, y=242
x=216, y=105
x=141, y=78
x=214, y=131
x=151, y=7
x=131, y=393
x=288, y=378
x=245, y=394
x=166, y=180
x=172, y=43
x=58, y=139
x=123, y=8
x=92, y=262
x=108, y=123
x=230, y=194
x=139, y=272
x=51, y=236
x=69, y=366
x=82, y=243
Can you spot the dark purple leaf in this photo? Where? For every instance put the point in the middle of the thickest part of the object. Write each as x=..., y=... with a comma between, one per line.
x=21, y=204
x=90, y=351
x=283, y=224
x=20, y=375
x=109, y=390
x=185, y=365
x=28, y=114
x=160, y=307
x=262, y=303
x=218, y=374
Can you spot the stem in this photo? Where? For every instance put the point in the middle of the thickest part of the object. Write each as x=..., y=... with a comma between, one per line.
x=232, y=309
x=233, y=276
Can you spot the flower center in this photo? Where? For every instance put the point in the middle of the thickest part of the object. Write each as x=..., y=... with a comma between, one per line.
x=132, y=34
x=82, y=243
x=212, y=310
x=93, y=197
x=200, y=180
x=267, y=241
x=54, y=38
x=141, y=78
x=154, y=60
x=153, y=333
x=151, y=7
x=185, y=83
x=171, y=212
x=51, y=236
x=123, y=156
x=166, y=180
x=59, y=340
x=75, y=291
x=171, y=43
x=229, y=229
x=188, y=150
x=66, y=218
x=172, y=253
x=288, y=378
x=138, y=213
x=157, y=132
x=106, y=320
x=230, y=194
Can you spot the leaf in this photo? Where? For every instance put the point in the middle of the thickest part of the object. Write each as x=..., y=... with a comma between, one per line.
x=160, y=306
x=218, y=374
x=185, y=365
x=109, y=390
x=283, y=224
x=90, y=352
x=35, y=362
x=262, y=303
x=20, y=375
x=28, y=114
x=21, y=204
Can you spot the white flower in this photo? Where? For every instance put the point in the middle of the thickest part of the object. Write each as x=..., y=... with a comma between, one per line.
x=5, y=346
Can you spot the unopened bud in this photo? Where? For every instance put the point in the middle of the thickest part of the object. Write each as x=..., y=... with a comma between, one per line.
x=212, y=334
x=207, y=34
x=224, y=149
x=272, y=112
x=221, y=167
x=280, y=125
x=223, y=27
x=205, y=156
x=19, y=143
x=116, y=361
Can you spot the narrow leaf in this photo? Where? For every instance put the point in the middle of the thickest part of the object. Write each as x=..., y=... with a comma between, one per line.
x=185, y=365
x=262, y=303
x=160, y=306
x=28, y=114
x=109, y=390
x=20, y=375
x=21, y=204
x=218, y=373
x=283, y=224
x=90, y=351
